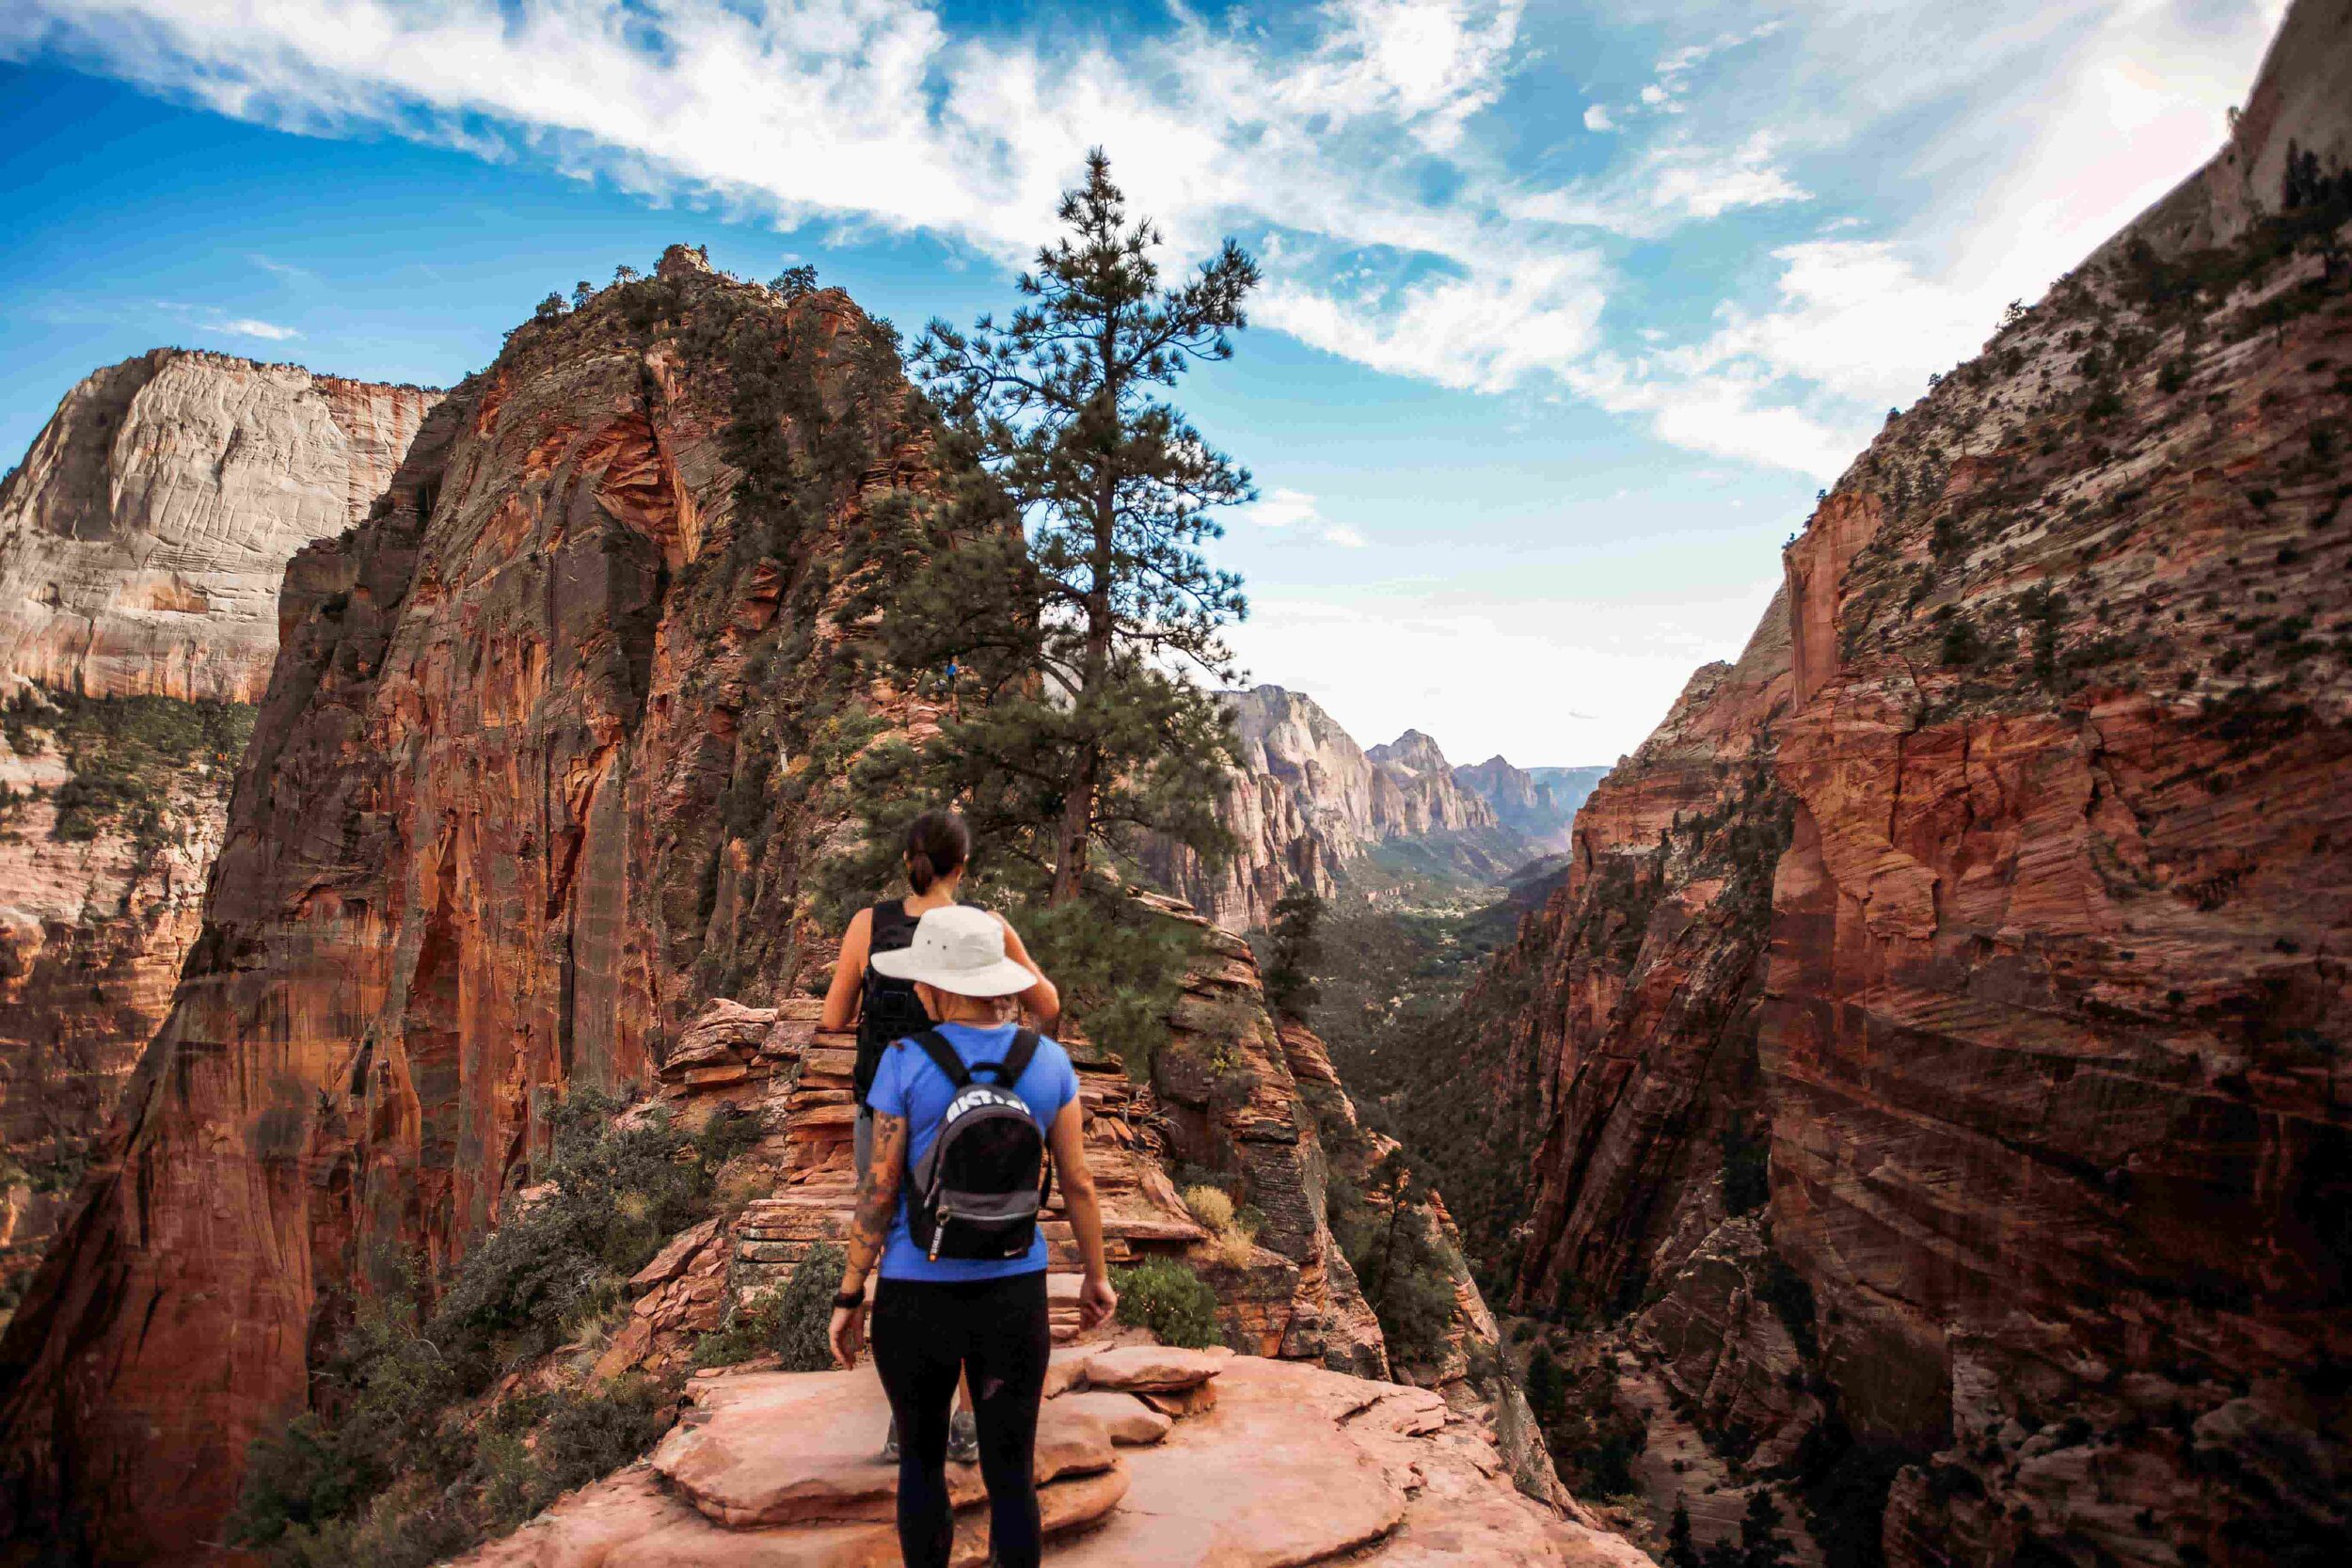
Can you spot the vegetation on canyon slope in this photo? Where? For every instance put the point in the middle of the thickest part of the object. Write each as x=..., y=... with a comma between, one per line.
x=408, y=1456
x=132, y=760
x=1060, y=729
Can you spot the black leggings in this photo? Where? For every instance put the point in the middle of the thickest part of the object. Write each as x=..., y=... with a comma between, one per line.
x=996, y=1330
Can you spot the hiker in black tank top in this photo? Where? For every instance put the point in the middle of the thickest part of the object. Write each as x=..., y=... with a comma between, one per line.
x=885, y=1010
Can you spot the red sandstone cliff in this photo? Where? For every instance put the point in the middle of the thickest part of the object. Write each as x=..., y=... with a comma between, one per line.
x=551, y=753
x=2054, y=717
x=142, y=541
x=478, y=851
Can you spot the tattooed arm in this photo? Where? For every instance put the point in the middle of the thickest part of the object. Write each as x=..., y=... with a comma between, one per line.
x=877, y=1207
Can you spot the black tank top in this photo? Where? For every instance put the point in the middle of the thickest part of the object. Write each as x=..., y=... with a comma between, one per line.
x=890, y=1010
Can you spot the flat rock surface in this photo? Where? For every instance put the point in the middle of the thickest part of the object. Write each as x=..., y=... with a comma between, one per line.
x=783, y=1448
x=1263, y=1481
x=1152, y=1369
x=1130, y=1422
x=1294, y=1466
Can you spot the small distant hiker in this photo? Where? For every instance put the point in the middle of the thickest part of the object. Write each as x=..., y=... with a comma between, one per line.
x=967, y=1114
x=937, y=848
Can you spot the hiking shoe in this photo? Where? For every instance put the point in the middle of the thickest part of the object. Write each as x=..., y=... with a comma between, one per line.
x=963, y=1438
x=890, y=1444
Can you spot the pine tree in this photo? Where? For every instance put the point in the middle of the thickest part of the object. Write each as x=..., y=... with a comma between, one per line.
x=1761, y=1544
x=1074, y=634
x=1680, y=1553
x=1292, y=950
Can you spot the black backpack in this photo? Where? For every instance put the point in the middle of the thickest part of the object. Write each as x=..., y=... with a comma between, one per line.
x=890, y=1010
x=977, y=1189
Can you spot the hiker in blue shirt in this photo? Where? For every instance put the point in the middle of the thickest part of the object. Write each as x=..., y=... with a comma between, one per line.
x=963, y=1292
x=938, y=849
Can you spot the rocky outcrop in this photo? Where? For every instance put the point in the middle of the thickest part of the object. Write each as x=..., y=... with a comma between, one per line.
x=514, y=806
x=141, y=545
x=143, y=537
x=1307, y=806
x=2002, y=880
x=1263, y=1461
x=94, y=921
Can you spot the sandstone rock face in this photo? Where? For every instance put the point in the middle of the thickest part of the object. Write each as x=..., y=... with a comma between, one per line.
x=2052, y=720
x=143, y=538
x=141, y=545
x=473, y=856
x=1289, y=1466
x=93, y=930
x=1307, y=805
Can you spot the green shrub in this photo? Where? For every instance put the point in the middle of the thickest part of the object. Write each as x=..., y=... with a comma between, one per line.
x=398, y=1466
x=804, y=1310
x=1167, y=1298
x=748, y=1331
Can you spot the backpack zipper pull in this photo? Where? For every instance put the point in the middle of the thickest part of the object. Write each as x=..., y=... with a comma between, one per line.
x=939, y=1231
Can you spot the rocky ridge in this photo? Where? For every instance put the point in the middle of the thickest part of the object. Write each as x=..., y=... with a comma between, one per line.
x=1308, y=806
x=1540, y=803
x=552, y=750
x=1983, y=915
x=142, y=541
x=1145, y=1456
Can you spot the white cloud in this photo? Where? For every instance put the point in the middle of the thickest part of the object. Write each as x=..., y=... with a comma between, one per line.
x=1391, y=656
x=249, y=326
x=1298, y=509
x=1362, y=155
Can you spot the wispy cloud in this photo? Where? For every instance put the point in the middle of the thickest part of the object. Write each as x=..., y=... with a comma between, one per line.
x=212, y=318
x=252, y=326
x=1371, y=152
x=1298, y=512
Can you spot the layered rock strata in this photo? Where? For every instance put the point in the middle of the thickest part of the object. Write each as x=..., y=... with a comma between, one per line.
x=92, y=929
x=143, y=537
x=516, y=802
x=1144, y=1455
x=2037, y=999
x=540, y=788
x=1307, y=806
x=142, y=541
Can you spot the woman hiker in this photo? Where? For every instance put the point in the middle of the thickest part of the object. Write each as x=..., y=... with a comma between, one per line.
x=937, y=848
x=962, y=1289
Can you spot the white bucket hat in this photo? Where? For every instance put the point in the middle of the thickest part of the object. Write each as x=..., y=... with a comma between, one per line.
x=960, y=949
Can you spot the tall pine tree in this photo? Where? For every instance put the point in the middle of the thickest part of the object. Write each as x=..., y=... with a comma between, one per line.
x=1065, y=647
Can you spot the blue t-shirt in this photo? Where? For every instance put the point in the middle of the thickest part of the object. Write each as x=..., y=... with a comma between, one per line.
x=909, y=1084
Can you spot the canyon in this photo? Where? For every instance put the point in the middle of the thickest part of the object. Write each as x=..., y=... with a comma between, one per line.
x=1307, y=806
x=538, y=798
x=1925, y=1069
x=142, y=543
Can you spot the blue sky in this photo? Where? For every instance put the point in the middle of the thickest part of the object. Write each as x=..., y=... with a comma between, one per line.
x=1569, y=309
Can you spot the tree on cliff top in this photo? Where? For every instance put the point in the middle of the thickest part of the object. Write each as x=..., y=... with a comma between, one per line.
x=1064, y=646
x=1294, y=949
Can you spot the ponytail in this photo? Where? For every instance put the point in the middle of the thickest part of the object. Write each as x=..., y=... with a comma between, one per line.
x=937, y=847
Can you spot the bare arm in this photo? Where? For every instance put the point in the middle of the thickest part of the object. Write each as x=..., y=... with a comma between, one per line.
x=1043, y=1000
x=870, y=1229
x=1096, y=1299
x=849, y=972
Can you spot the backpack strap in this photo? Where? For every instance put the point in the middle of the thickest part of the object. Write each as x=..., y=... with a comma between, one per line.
x=1007, y=1073
x=943, y=1057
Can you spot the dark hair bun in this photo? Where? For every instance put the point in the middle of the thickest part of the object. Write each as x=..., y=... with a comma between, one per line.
x=937, y=845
